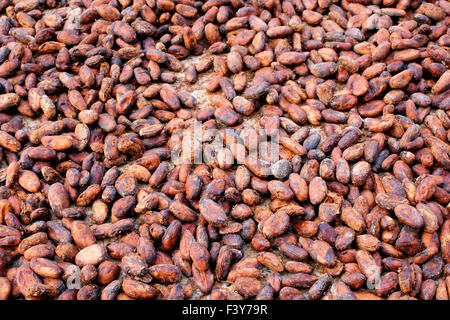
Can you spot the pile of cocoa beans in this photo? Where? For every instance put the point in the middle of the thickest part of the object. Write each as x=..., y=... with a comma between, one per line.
x=97, y=95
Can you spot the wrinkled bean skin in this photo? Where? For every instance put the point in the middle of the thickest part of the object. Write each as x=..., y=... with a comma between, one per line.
x=224, y=149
